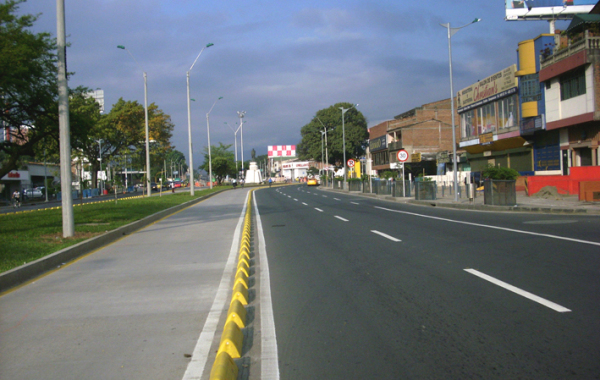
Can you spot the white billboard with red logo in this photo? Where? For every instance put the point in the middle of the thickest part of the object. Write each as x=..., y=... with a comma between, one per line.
x=282, y=151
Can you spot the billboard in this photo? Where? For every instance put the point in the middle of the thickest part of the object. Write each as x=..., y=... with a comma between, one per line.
x=282, y=151
x=546, y=9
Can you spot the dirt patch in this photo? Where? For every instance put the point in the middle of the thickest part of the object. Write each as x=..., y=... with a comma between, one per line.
x=548, y=192
x=59, y=239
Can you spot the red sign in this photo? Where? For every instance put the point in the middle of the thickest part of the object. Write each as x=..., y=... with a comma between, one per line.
x=14, y=175
x=351, y=163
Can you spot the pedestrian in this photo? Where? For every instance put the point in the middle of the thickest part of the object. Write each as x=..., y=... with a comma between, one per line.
x=16, y=197
x=234, y=183
x=242, y=183
x=270, y=181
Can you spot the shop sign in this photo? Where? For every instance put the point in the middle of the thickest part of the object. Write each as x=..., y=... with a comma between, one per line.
x=295, y=165
x=443, y=157
x=415, y=157
x=500, y=84
x=14, y=175
x=378, y=143
x=486, y=138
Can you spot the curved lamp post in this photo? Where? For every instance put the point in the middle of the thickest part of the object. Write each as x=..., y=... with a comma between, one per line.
x=208, y=130
x=451, y=32
x=190, y=121
x=344, y=110
x=148, y=188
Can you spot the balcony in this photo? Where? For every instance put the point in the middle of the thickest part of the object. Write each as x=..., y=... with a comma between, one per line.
x=396, y=145
x=585, y=42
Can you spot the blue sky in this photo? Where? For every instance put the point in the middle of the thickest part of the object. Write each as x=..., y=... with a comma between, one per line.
x=281, y=61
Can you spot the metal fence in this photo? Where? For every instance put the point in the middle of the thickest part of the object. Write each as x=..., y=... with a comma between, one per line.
x=425, y=190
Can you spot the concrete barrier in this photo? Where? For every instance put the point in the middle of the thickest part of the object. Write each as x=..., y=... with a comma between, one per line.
x=237, y=314
x=224, y=368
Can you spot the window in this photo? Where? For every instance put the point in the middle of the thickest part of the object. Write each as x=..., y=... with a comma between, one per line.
x=507, y=112
x=572, y=84
x=487, y=115
x=467, y=120
x=530, y=88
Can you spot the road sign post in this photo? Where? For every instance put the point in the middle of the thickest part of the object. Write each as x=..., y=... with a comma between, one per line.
x=403, y=157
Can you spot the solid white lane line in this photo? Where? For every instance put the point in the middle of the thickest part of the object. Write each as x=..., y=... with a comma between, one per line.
x=492, y=227
x=340, y=218
x=269, y=360
x=385, y=235
x=521, y=292
x=318, y=209
x=196, y=366
x=354, y=203
x=304, y=204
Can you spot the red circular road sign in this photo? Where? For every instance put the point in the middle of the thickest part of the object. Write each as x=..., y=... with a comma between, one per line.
x=351, y=163
x=402, y=155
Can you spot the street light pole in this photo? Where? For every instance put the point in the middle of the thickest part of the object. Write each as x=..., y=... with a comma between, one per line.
x=191, y=153
x=344, y=110
x=235, y=147
x=451, y=32
x=208, y=129
x=148, y=174
x=68, y=221
x=241, y=114
x=326, y=152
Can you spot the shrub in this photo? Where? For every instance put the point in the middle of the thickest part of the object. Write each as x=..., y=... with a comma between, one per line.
x=500, y=172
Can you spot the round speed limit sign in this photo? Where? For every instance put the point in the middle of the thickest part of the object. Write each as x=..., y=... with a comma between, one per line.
x=402, y=155
x=351, y=163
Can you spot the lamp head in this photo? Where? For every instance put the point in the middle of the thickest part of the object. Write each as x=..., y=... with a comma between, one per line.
x=220, y=97
x=209, y=45
x=476, y=20
x=120, y=47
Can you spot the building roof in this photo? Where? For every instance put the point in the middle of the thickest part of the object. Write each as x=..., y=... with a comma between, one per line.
x=583, y=21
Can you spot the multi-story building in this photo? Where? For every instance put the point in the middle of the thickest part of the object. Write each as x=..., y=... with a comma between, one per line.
x=489, y=123
x=378, y=148
x=424, y=132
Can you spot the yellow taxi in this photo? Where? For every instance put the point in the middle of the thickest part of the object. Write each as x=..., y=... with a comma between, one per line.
x=312, y=182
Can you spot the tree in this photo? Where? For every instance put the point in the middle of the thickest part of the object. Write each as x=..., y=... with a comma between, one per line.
x=331, y=118
x=223, y=161
x=123, y=130
x=28, y=87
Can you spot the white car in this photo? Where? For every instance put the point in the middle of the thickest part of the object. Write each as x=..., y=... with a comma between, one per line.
x=38, y=192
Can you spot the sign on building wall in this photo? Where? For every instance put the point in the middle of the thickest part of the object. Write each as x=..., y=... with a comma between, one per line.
x=378, y=143
x=282, y=151
x=491, y=88
x=546, y=9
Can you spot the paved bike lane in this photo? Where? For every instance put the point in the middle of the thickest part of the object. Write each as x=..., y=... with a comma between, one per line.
x=131, y=310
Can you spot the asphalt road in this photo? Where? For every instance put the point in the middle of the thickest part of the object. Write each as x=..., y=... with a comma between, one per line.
x=366, y=289
x=131, y=310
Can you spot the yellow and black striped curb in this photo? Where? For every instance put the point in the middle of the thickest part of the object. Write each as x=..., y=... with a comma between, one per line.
x=230, y=346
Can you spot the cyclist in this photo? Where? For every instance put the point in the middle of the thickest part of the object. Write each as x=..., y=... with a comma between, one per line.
x=16, y=197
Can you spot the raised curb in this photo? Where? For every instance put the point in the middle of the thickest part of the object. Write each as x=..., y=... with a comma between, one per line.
x=29, y=271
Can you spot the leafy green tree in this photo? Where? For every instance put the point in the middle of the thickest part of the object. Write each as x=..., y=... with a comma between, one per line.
x=28, y=89
x=331, y=118
x=500, y=172
x=223, y=161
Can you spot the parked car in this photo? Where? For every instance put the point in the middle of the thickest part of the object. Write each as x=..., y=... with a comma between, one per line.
x=153, y=186
x=37, y=192
x=177, y=184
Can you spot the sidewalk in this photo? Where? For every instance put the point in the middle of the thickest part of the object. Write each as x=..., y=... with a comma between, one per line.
x=561, y=204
